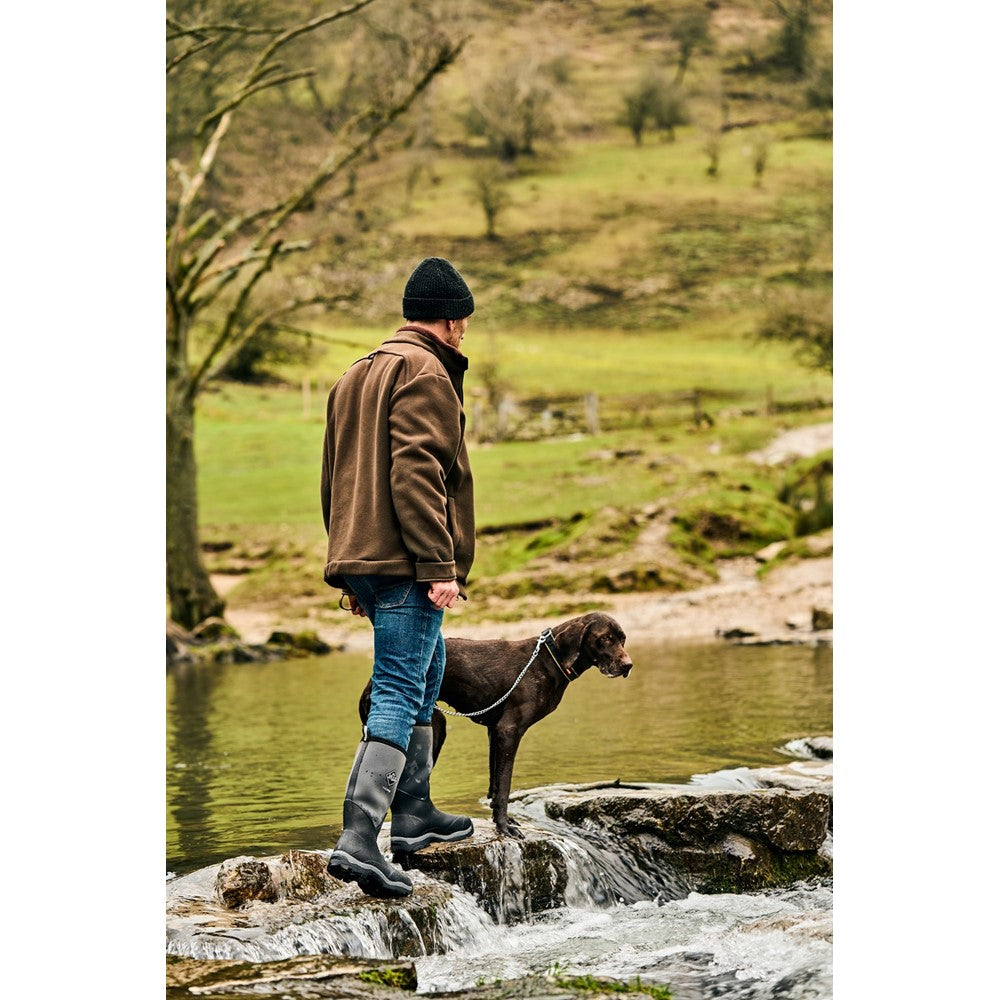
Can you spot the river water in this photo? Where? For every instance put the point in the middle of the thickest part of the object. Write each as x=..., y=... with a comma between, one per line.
x=258, y=754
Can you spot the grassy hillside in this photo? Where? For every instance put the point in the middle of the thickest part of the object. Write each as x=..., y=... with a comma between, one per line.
x=623, y=270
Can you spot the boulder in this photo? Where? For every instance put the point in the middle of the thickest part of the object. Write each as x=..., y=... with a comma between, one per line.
x=822, y=619
x=730, y=839
x=269, y=913
x=240, y=881
x=298, y=875
x=770, y=552
x=300, y=642
x=214, y=630
x=303, y=875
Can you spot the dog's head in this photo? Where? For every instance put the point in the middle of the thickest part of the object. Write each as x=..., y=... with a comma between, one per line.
x=602, y=644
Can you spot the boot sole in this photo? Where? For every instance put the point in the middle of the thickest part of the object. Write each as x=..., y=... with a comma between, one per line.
x=370, y=879
x=409, y=845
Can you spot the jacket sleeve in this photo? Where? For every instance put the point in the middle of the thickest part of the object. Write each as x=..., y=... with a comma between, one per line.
x=424, y=437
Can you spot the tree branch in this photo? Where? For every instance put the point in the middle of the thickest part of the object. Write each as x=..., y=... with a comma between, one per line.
x=191, y=189
x=301, y=29
x=333, y=165
x=190, y=51
x=235, y=102
x=263, y=320
x=253, y=256
x=209, y=251
x=225, y=334
x=182, y=31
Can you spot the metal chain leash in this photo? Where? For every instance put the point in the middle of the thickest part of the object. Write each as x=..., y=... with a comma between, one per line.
x=542, y=639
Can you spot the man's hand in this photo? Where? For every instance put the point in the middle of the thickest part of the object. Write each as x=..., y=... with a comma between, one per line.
x=356, y=608
x=443, y=594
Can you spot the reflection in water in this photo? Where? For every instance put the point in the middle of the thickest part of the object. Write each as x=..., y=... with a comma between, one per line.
x=258, y=754
x=187, y=727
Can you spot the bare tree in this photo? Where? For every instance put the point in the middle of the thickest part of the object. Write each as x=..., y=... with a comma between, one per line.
x=489, y=188
x=759, y=150
x=218, y=258
x=803, y=319
x=794, y=42
x=712, y=148
x=653, y=100
x=691, y=30
x=513, y=107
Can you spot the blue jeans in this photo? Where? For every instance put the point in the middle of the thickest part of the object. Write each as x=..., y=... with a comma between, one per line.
x=409, y=654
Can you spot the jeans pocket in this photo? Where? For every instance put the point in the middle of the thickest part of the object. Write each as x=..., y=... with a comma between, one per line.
x=392, y=593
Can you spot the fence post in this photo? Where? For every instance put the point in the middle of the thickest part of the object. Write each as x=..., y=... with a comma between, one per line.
x=475, y=419
x=590, y=413
x=504, y=410
x=306, y=395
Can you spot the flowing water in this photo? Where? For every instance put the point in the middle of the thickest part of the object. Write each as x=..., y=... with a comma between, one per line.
x=258, y=755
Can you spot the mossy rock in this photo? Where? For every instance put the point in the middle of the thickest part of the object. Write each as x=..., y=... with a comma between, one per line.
x=213, y=630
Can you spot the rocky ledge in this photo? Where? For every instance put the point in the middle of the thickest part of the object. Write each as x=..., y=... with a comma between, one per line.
x=733, y=831
x=216, y=641
x=585, y=845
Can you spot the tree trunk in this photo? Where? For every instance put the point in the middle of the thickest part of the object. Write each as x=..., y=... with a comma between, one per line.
x=191, y=594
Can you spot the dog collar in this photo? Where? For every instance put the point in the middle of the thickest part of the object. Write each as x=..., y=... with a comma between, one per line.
x=568, y=672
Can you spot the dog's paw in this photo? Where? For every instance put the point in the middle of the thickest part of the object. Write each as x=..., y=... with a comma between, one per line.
x=510, y=829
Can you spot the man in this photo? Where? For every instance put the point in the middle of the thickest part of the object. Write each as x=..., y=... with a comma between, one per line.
x=398, y=508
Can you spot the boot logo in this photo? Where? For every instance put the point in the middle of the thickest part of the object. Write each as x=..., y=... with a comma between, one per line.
x=390, y=780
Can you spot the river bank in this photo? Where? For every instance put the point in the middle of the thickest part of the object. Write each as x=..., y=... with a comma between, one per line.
x=761, y=598
x=742, y=605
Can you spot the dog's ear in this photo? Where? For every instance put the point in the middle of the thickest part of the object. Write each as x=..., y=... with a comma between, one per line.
x=573, y=636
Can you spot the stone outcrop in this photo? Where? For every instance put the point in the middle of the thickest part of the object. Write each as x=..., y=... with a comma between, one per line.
x=768, y=830
x=738, y=830
x=298, y=875
x=321, y=975
x=269, y=909
x=215, y=641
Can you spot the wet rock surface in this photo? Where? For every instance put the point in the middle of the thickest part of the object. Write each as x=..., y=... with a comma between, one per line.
x=268, y=909
x=733, y=831
x=316, y=977
x=305, y=976
x=510, y=879
x=282, y=927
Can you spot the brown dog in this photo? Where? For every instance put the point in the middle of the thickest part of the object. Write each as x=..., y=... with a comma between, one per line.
x=480, y=671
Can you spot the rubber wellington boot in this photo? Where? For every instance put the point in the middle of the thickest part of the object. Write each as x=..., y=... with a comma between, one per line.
x=415, y=821
x=370, y=788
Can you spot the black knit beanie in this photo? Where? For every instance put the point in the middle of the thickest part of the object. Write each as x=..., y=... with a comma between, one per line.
x=436, y=290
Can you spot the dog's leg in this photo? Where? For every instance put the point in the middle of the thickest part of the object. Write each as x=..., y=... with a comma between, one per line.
x=491, y=794
x=439, y=726
x=365, y=703
x=508, y=739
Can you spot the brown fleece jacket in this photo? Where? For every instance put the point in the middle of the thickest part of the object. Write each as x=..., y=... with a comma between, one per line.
x=397, y=484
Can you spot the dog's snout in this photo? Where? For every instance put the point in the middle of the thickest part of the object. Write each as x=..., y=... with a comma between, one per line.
x=626, y=668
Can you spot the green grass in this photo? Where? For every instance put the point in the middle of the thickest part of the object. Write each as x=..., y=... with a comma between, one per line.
x=259, y=448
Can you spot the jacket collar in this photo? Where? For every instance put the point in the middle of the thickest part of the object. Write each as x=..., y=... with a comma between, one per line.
x=454, y=361
x=451, y=357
